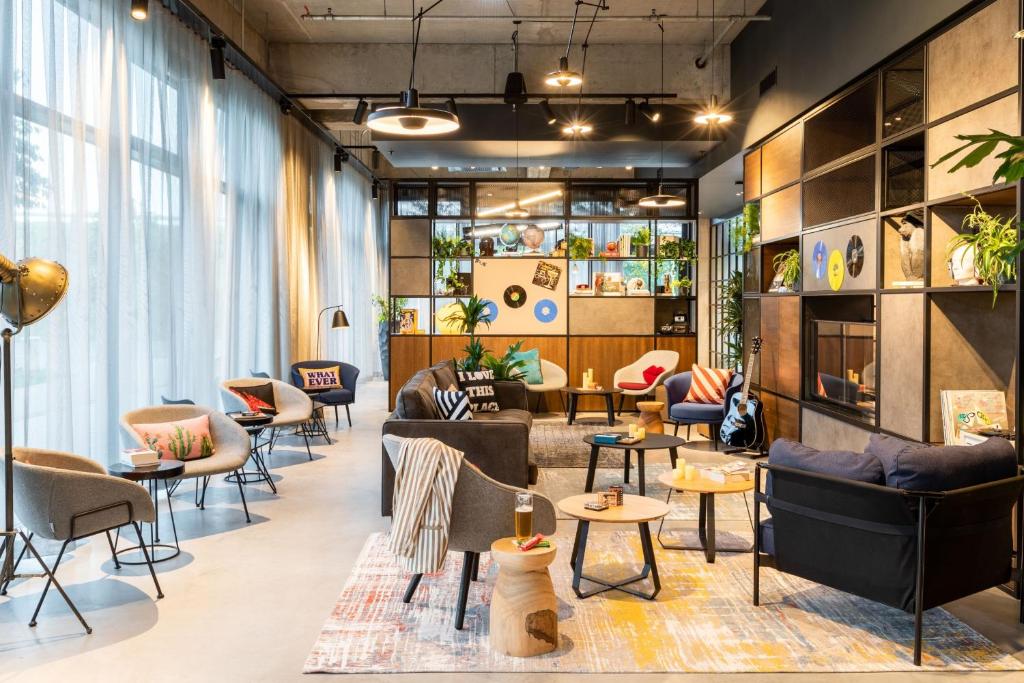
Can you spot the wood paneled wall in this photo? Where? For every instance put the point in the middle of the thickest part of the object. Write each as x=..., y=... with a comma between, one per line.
x=780, y=355
x=409, y=354
x=780, y=213
x=781, y=416
x=780, y=159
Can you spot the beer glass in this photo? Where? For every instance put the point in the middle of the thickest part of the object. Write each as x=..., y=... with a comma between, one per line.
x=524, y=516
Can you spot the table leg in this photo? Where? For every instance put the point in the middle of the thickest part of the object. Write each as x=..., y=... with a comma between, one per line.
x=610, y=405
x=702, y=516
x=572, y=408
x=673, y=454
x=710, y=522
x=640, y=471
x=649, y=560
x=575, y=545
x=579, y=551
x=592, y=467
x=625, y=467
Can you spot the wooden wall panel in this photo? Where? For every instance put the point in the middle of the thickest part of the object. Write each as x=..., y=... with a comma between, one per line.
x=900, y=364
x=605, y=355
x=409, y=354
x=686, y=347
x=973, y=60
x=780, y=352
x=410, y=237
x=780, y=159
x=611, y=315
x=780, y=213
x=781, y=417
x=752, y=175
x=411, y=277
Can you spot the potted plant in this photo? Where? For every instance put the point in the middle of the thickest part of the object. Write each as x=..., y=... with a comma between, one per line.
x=687, y=250
x=641, y=239
x=580, y=248
x=506, y=367
x=787, y=271
x=681, y=286
x=469, y=315
x=668, y=250
x=747, y=227
x=986, y=250
x=387, y=322
x=730, y=329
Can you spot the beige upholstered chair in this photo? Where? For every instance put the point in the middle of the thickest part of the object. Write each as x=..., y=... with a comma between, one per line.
x=482, y=512
x=230, y=443
x=555, y=378
x=631, y=378
x=65, y=497
x=294, y=407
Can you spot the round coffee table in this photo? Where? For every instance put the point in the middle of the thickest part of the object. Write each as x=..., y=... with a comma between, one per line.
x=164, y=470
x=574, y=394
x=706, y=514
x=652, y=442
x=650, y=416
x=637, y=510
x=254, y=426
x=524, y=611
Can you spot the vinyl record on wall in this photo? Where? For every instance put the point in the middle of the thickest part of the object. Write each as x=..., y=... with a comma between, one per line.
x=819, y=257
x=492, y=311
x=855, y=255
x=546, y=310
x=836, y=272
x=515, y=296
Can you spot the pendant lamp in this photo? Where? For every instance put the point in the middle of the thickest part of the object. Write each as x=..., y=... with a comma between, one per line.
x=515, y=82
x=660, y=200
x=712, y=115
x=409, y=118
x=563, y=76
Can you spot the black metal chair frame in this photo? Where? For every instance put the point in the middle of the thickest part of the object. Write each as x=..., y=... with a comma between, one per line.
x=470, y=571
x=927, y=503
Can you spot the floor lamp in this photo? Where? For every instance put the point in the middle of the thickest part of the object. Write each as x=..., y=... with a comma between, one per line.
x=339, y=320
x=29, y=290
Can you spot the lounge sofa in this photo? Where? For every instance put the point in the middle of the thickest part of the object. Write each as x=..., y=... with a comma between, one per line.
x=498, y=443
x=904, y=524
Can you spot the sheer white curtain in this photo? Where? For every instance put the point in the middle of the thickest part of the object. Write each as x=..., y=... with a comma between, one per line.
x=165, y=194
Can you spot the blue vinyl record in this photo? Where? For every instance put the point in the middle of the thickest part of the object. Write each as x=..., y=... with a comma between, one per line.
x=819, y=257
x=546, y=310
x=492, y=311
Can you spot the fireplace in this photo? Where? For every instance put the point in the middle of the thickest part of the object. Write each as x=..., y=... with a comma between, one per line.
x=842, y=355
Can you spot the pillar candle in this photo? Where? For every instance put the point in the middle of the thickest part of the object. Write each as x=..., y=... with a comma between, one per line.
x=690, y=472
x=641, y=433
x=680, y=470
x=632, y=429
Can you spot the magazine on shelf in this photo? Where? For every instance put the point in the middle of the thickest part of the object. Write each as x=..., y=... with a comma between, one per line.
x=971, y=411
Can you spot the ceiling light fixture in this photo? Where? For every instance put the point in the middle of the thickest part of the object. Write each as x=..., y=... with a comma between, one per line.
x=360, y=114
x=630, y=112
x=495, y=210
x=650, y=113
x=578, y=125
x=515, y=82
x=410, y=119
x=549, y=113
x=712, y=115
x=660, y=200
x=140, y=10
x=564, y=77
x=217, y=45
x=340, y=157
x=577, y=128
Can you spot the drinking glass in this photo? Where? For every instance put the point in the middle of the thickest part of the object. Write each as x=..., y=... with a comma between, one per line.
x=524, y=516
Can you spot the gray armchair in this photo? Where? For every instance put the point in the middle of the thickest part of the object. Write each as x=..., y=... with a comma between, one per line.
x=65, y=497
x=345, y=396
x=682, y=412
x=230, y=443
x=294, y=407
x=481, y=514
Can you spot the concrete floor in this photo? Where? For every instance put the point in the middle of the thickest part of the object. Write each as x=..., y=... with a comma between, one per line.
x=245, y=602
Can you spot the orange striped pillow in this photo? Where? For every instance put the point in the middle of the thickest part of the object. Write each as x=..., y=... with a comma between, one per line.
x=708, y=385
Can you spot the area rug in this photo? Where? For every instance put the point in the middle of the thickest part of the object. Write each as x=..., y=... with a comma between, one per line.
x=702, y=621
x=557, y=444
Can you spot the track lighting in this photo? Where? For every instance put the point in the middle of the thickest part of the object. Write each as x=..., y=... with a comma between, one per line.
x=374, y=190
x=650, y=113
x=286, y=105
x=712, y=114
x=577, y=128
x=630, y=112
x=549, y=113
x=217, y=45
x=452, y=108
x=360, y=114
x=340, y=157
x=140, y=10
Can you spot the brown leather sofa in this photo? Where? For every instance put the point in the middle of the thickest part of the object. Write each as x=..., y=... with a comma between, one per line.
x=497, y=443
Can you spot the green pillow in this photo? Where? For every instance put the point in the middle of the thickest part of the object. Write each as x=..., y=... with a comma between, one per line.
x=531, y=366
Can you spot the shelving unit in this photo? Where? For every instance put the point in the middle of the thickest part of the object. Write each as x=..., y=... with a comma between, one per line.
x=865, y=172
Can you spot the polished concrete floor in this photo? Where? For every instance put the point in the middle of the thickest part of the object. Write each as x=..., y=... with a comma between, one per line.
x=245, y=602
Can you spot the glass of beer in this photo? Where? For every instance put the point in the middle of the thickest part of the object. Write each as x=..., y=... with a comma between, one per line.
x=524, y=516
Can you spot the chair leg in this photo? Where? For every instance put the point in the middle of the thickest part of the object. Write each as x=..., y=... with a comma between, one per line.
x=202, y=498
x=688, y=432
x=476, y=567
x=335, y=416
x=149, y=562
x=49, y=580
x=622, y=398
x=113, y=552
x=348, y=414
x=305, y=437
x=460, y=608
x=414, y=583
x=241, y=492
x=561, y=399
x=3, y=589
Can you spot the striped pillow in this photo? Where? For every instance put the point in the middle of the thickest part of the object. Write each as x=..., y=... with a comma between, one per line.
x=452, y=405
x=708, y=385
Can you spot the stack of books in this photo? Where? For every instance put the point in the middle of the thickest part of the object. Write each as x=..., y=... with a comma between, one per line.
x=729, y=473
x=609, y=439
x=139, y=457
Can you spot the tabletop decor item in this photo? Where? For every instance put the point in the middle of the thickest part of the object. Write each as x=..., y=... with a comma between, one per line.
x=524, y=515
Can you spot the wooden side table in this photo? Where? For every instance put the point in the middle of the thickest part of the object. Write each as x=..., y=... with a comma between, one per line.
x=524, y=611
x=574, y=394
x=650, y=416
x=706, y=514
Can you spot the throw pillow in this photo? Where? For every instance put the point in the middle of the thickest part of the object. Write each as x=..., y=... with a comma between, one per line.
x=258, y=397
x=321, y=378
x=479, y=387
x=920, y=467
x=181, y=440
x=452, y=405
x=708, y=385
x=651, y=374
x=531, y=366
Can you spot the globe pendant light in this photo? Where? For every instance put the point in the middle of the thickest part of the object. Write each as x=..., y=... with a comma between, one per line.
x=517, y=211
x=410, y=119
x=662, y=200
x=712, y=115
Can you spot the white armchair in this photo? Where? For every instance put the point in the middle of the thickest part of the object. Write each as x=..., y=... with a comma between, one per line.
x=294, y=407
x=630, y=379
x=555, y=379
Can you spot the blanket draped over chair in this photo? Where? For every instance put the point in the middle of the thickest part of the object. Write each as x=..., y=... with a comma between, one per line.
x=424, y=484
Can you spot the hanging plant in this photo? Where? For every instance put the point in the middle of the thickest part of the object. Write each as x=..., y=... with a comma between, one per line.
x=993, y=241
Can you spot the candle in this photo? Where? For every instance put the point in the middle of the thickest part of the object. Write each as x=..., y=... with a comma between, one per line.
x=632, y=429
x=680, y=470
x=585, y=381
x=641, y=433
x=690, y=472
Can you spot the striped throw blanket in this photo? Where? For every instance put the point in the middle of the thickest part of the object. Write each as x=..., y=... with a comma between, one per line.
x=424, y=485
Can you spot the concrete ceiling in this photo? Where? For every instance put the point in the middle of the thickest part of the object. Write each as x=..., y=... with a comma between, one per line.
x=490, y=21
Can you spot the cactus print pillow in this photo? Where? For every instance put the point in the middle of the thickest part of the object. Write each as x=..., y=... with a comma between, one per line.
x=182, y=440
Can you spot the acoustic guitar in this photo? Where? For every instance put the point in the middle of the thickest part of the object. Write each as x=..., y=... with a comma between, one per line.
x=744, y=426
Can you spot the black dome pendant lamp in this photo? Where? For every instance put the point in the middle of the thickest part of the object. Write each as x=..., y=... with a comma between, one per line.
x=515, y=82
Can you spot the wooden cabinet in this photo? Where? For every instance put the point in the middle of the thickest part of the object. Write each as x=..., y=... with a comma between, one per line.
x=409, y=354
x=780, y=354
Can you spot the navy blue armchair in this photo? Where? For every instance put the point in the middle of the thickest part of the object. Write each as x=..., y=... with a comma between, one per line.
x=345, y=396
x=680, y=412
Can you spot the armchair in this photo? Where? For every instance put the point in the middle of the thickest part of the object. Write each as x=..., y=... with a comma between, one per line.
x=481, y=514
x=294, y=407
x=682, y=412
x=345, y=396
x=555, y=378
x=65, y=497
x=631, y=378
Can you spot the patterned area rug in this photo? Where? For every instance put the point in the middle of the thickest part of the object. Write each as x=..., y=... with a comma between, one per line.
x=702, y=621
x=553, y=443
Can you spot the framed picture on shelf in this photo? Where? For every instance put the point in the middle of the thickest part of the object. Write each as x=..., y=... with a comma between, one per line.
x=971, y=411
x=408, y=321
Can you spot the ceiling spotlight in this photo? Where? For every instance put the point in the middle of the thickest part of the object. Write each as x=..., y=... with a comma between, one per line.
x=374, y=191
x=360, y=115
x=630, y=112
x=140, y=10
x=629, y=168
x=340, y=157
x=653, y=115
x=375, y=159
x=286, y=105
x=577, y=128
x=217, y=45
x=549, y=113
x=712, y=115
x=563, y=77
x=434, y=168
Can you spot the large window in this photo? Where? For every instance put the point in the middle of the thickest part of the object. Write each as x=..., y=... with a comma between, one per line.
x=725, y=266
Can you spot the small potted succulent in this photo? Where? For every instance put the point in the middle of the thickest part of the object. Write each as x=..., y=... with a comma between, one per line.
x=641, y=239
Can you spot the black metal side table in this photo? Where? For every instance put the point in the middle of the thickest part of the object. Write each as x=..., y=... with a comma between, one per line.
x=254, y=425
x=149, y=476
x=319, y=422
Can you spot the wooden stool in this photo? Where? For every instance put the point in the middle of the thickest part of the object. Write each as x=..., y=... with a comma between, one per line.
x=650, y=416
x=524, y=611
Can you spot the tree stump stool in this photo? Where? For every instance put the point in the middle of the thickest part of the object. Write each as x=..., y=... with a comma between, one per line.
x=650, y=416
x=524, y=611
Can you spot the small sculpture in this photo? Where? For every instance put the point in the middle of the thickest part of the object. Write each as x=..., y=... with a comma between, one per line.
x=486, y=246
x=911, y=232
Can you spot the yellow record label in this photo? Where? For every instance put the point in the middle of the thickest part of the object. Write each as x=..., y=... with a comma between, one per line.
x=836, y=270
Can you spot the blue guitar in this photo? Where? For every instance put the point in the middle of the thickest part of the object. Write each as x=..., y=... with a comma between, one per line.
x=744, y=426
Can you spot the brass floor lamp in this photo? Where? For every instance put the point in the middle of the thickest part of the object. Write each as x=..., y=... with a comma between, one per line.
x=29, y=290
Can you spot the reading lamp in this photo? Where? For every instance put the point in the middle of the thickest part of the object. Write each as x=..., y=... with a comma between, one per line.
x=29, y=290
x=338, y=320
